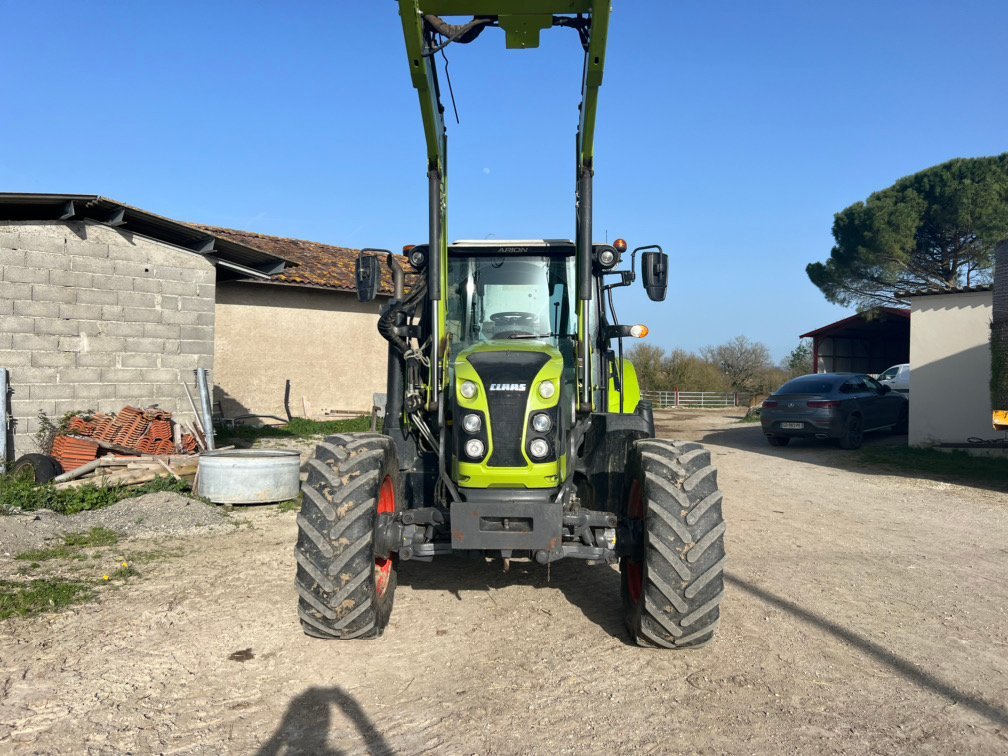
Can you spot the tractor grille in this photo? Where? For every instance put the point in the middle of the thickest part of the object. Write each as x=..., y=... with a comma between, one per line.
x=507, y=407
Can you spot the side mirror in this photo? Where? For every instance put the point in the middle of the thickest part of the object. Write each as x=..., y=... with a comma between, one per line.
x=368, y=275
x=886, y=389
x=654, y=270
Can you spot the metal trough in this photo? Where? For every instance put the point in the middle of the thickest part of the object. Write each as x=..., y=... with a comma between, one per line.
x=249, y=476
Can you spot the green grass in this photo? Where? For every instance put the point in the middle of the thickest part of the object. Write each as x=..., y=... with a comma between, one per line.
x=955, y=464
x=34, y=596
x=19, y=493
x=291, y=505
x=299, y=428
x=71, y=546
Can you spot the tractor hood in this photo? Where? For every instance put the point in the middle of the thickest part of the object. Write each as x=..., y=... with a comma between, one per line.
x=514, y=380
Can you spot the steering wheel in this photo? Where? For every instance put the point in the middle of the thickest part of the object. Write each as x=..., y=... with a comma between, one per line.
x=513, y=318
x=514, y=322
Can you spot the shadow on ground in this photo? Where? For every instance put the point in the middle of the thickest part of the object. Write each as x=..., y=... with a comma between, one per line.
x=308, y=722
x=749, y=437
x=996, y=713
x=594, y=589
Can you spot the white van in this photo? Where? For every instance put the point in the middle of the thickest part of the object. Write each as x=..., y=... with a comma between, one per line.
x=897, y=378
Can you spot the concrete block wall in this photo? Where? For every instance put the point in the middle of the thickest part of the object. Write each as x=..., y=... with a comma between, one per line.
x=96, y=318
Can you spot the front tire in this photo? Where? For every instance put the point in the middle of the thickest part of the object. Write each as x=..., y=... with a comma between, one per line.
x=345, y=592
x=672, y=592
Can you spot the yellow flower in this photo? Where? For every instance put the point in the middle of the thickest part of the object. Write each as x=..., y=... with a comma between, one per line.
x=105, y=577
x=125, y=564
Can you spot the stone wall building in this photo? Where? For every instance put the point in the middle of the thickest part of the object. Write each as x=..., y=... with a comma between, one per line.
x=103, y=305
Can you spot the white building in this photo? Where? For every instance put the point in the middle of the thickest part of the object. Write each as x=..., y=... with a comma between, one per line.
x=950, y=366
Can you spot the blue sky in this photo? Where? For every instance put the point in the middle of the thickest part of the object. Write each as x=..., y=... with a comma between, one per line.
x=730, y=133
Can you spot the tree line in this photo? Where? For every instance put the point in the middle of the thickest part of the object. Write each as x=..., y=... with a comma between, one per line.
x=739, y=365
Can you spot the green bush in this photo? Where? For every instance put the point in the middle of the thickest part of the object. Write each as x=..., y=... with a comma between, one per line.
x=20, y=493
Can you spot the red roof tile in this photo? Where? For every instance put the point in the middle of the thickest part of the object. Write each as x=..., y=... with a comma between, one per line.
x=313, y=263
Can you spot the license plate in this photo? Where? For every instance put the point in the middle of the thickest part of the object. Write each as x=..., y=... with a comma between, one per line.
x=792, y=426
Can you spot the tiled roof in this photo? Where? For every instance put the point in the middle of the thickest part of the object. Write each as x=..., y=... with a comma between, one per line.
x=936, y=292
x=314, y=264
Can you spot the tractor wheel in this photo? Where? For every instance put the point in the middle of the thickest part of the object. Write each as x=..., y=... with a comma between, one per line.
x=853, y=433
x=671, y=599
x=345, y=591
x=38, y=468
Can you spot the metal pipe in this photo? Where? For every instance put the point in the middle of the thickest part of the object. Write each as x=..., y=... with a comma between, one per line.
x=434, y=281
x=4, y=419
x=584, y=273
x=203, y=386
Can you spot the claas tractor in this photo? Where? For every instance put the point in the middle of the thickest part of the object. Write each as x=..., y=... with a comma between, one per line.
x=514, y=428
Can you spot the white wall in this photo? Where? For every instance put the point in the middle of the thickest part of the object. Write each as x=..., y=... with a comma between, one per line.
x=950, y=368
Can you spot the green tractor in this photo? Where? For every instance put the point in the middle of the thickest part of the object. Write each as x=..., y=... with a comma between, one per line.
x=513, y=428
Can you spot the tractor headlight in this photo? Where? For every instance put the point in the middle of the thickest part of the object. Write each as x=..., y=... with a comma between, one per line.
x=541, y=422
x=475, y=448
x=547, y=389
x=468, y=389
x=471, y=423
x=539, y=448
x=607, y=258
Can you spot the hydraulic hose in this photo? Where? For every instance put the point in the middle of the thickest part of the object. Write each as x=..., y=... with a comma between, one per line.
x=387, y=322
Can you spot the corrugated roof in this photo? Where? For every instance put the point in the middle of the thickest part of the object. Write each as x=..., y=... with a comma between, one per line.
x=874, y=315
x=234, y=259
x=314, y=264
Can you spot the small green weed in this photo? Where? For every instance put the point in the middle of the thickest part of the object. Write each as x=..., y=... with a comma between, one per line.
x=291, y=505
x=34, y=596
x=19, y=493
x=94, y=537
x=299, y=427
x=71, y=546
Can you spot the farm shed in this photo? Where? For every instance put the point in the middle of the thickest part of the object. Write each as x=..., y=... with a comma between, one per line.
x=103, y=305
x=951, y=365
x=303, y=324
x=868, y=342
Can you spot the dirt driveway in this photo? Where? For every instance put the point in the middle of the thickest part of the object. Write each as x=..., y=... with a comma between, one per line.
x=865, y=613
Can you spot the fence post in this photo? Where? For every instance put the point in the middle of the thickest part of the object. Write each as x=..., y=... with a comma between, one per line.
x=676, y=397
x=735, y=399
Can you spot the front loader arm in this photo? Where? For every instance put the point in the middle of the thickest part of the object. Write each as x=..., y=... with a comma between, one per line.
x=521, y=20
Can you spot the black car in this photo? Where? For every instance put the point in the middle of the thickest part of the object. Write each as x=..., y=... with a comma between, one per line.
x=843, y=406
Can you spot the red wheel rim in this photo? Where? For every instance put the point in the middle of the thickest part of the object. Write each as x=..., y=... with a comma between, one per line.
x=386, y=505
x=634, y=571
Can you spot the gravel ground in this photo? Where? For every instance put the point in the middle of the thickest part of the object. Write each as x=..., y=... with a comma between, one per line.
x=149, y=516
x=865, y=612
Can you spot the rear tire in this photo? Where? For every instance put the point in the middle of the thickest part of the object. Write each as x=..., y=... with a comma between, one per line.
x=778, y=440
x=672, y=598
x=853, y=433
x=344, y=591
x=38, y=468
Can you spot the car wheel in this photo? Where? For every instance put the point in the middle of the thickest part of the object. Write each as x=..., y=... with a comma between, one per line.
x=778, y=440
x=853, y=433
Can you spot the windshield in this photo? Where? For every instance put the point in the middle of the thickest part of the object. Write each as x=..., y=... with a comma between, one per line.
x=510, y=297
x=808, y=384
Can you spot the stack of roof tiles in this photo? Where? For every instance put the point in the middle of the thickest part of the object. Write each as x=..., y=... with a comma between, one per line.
x=131, y=430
